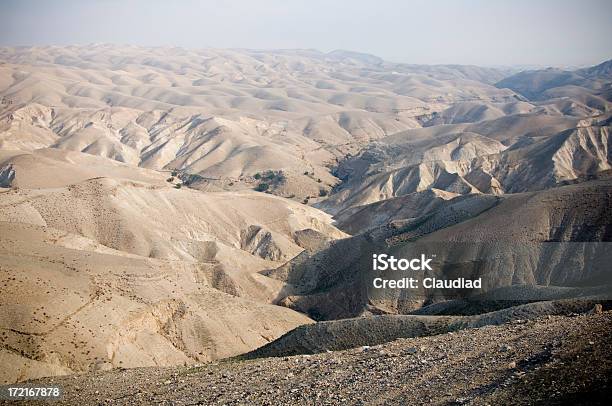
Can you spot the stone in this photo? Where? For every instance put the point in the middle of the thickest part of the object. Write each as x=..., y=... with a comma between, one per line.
x=597, y=309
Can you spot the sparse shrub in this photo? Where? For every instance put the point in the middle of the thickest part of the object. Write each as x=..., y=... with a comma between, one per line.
x=170, y=179
x=189, y=178
x=305, y=201
x=231, y=183
x=177, y=186
x=262, y=187
x=257, y=176
x=273, y=177
x=174, y=173
x=319, y=180
x=306, y=173
x=322, y=192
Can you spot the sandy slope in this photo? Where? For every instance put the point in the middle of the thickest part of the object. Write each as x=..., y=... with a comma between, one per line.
x=503, y=239
x=506, y=155
x=70, y=305
x=163, y=222
x=126, y=270
x=357, y=219
x=53, y=168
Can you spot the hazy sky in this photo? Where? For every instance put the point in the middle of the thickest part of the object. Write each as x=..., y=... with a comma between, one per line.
x=482, y=32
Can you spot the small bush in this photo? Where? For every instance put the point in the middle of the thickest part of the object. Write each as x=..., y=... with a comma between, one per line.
x=274, y=177
x=174, y=173
x=257, y=176
x=170, y=179
x=280, y=177
x=177, y=186
x=322, y=192
x=306, y=173
x=305, y=201
x=319, y=180
x=189, y=178
x=262, y=187
x=231, y=183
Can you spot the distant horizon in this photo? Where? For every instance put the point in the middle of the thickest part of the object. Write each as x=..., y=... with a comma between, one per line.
x=395, y=61
x=545, y=33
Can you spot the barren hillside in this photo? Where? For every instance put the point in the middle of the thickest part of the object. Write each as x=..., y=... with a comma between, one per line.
x=167, y=206
x=554, y=360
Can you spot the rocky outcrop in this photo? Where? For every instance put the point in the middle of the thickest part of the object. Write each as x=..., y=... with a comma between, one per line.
x=7, y=175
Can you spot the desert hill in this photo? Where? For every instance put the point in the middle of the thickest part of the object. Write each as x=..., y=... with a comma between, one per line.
x=529, y=152
x=72, y=305
x=148, y=274
x=558, y=359
x=556, y=237
x=229, y=116
x=168, y=206
x=533, y=84
x=344, y=334
x=225, y=115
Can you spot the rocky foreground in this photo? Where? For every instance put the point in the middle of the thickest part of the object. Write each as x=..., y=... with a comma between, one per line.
x=551, y=360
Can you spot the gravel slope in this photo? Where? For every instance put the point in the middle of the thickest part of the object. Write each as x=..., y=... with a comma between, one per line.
x=551, y=360
x=352, y=333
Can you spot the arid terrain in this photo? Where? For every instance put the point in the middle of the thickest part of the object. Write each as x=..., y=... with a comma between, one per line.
x=555, y=361
x=192, y=213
